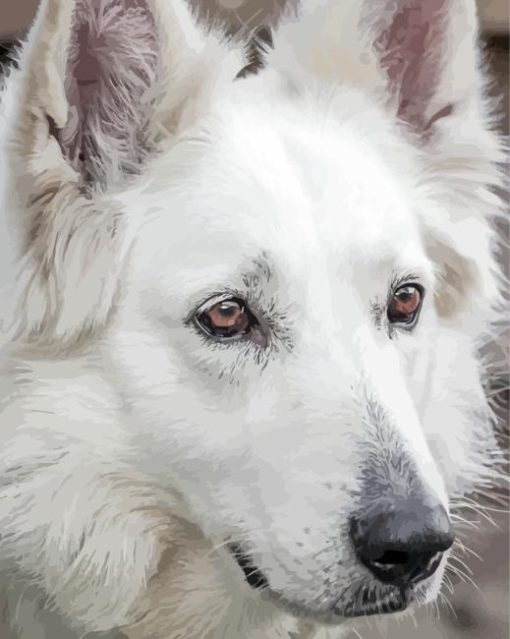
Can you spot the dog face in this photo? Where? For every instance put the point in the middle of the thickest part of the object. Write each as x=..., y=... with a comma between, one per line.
x=281, y=277
x=270, y=428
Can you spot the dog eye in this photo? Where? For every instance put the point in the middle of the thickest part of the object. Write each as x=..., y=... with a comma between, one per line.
x=226, y=319
x=405, y=304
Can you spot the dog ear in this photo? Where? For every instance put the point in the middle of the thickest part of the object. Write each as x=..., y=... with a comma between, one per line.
x=106, y=79
x=102, y=85
x=420, y=60
x=418, y=56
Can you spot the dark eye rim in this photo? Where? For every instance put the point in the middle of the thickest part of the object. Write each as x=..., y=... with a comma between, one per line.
x=406, y=324
x=217, y=299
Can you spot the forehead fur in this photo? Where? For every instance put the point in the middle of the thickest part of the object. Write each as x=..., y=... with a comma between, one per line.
x=287, y=166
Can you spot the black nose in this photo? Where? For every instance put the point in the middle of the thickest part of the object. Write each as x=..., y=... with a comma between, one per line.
x=404, y=545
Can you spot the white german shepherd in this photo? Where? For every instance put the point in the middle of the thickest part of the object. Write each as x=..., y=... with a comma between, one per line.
x=240, y=385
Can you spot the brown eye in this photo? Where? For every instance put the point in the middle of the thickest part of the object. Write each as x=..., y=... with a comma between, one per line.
x=228, y=318
x=405, y=304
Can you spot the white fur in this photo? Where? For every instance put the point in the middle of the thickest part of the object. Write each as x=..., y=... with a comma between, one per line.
x=130, y=448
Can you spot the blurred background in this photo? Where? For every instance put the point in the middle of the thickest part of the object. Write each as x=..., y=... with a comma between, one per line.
x=478, y=607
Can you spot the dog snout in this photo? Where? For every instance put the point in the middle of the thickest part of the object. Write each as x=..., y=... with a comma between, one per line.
x=402, y=545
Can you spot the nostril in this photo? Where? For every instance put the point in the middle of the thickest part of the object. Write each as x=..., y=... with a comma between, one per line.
x=401, y=567
x=392, y=557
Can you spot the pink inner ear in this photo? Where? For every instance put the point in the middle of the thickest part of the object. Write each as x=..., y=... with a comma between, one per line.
x=112, y=62
x=411, y=49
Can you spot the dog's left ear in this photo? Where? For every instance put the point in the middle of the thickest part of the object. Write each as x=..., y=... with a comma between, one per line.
x=419, y=57
x=102, y=85
x=420, y=61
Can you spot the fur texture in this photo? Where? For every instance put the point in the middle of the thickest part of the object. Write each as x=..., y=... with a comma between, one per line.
x=140, y=179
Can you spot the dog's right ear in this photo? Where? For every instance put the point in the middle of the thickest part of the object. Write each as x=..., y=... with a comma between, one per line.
x=104, y=80
x=102, y=85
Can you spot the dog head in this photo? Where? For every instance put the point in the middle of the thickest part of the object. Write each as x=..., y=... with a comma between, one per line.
x=285, y=275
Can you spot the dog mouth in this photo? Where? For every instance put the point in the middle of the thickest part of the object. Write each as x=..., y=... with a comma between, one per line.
x=253, y=575
x=364, y=601
x=368, y=601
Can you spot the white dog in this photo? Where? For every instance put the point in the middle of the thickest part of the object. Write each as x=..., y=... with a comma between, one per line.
x=240, y=386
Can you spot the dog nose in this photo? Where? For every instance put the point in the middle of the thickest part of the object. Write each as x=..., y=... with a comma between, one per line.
x=402, y=546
